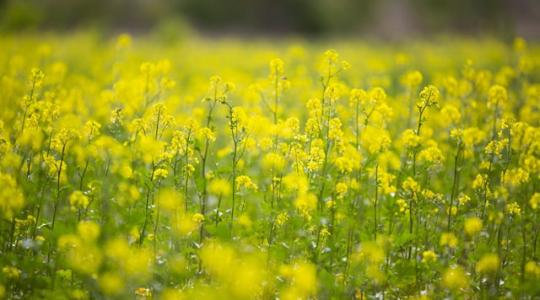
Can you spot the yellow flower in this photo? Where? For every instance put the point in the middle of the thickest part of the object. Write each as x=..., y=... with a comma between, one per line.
x=402, y=204
x=489, y=263
x=197, y=218
x=243, y=181
x=454, y=278
x=411, y=79
x=273, y=161
x=11, y=272
x=78, y=200
x=463, y=199
x=161, y=173
x=429, y=96
x=513, y=209
x=111, y=283
x=282, y=218
x=303, y=278
x=305, y=203
x=341, y=189
x=143, y=292
x=535, y=201
x=219, y=187
x=123, y=41
x=448, y=239
x=410, y=185
x=497, y=95
x=429, y=256
x=532, y=269
x=88, y=230
x=409, y=139
x=473, y=226
x=479, y=181
x=11, y=197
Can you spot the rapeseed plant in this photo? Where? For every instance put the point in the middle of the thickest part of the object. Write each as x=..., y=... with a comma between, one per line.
x=399, y=173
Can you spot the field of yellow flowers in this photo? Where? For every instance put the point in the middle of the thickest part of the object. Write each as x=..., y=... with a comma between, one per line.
x=138, y=168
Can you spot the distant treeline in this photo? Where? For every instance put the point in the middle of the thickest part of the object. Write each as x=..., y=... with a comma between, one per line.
x=315, y=17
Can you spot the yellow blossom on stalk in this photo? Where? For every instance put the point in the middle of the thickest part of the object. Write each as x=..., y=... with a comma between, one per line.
x=144, y=293
x=197, y=218
x=170, y=200
x=448, y=239
x=402, y=205
x=305, y=203
x=411, y=79
x=429, y=256
x=273, y=161
x=78, y=200
x=207, y=134
x=384, y=182
x=496, y=147
x=344, y=164
x=377, y=94
x=244, y=220
x=515, y=177
x=11, y=272
x=324, y=231
x=11, y=197
x=489, y=263
x=316, y=156
x=150, y=149
x=330, y=204
x=88, y=230
x=535, y=201
x=330, y=65
x=161, y=173
x=532, y=269
x=375, y=140
x=431, y=154
x=123, y=41
x=303, y=280
x=372, y=252
x=454, y=278
x=429, y=96
x=219, y=187
x=409, y=139
x=282, y=218
x=341, y=189
x=245, y=182
x=111, y=283
x=479, y=181
x=497, y=95
x=277, y=76
x=357, y=96
x=241, y=273
x=473, y=226
x=133, y=262
x=80, y=250
x=463, y=199
x=450, y=115
x=334, y=131
x=410, y=185
x=513, y=209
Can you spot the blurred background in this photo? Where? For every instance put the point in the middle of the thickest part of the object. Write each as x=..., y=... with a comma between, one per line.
x=388, y=19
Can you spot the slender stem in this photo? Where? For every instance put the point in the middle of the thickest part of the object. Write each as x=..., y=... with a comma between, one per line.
x=455, y=185
x=376, y=201
x=58, y=177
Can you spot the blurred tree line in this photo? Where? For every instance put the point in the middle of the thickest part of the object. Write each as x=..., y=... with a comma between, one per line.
x=310, y=17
